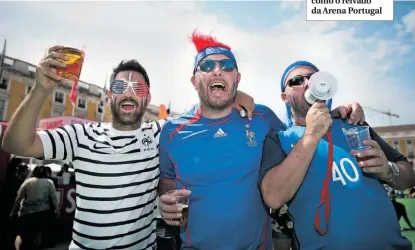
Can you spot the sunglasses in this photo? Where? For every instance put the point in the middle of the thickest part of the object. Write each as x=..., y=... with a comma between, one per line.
x=119, y=87
x=226, y=65
x=298, y=80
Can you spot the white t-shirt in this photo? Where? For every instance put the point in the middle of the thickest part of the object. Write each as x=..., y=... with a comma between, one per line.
x=117, y=174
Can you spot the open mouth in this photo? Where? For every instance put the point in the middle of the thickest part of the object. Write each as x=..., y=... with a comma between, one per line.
x=217, y=86
x=128, y=106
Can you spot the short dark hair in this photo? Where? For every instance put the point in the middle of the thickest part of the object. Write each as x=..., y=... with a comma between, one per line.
x=39, y=172
x=130, y=65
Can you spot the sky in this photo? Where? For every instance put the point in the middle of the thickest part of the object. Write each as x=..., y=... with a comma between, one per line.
x=372, y=61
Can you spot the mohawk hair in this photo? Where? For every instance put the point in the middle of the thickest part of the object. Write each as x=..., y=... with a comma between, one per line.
x=202, y=42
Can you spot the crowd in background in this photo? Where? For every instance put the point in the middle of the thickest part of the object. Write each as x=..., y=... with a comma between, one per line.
x=30, y=205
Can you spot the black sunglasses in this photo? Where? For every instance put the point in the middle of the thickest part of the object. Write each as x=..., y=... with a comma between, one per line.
x=298, y=80
x=226, y=65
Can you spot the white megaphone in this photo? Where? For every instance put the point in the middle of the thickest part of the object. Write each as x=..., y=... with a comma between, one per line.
x=322, y=86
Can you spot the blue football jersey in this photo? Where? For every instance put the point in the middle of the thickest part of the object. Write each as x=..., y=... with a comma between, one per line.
x=361, y=214
x=219, y=160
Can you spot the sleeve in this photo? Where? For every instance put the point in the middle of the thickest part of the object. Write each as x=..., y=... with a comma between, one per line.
x=391, y=154
x=270, y=117
x=272, y=155
x=159, y=126
x=61, y=143
x=166, y=164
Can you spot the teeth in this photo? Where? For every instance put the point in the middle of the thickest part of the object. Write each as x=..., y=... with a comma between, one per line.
x=128, y=103
x=217, y=84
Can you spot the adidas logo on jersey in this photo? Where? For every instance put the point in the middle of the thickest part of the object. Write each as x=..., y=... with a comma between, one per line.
x=220, y=133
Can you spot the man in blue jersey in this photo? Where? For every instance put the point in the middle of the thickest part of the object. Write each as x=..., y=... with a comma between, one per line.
x=215, y=154
x=336, y=202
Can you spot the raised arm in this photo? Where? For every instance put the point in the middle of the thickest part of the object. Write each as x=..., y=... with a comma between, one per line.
x=281, y=175
x=21, y=137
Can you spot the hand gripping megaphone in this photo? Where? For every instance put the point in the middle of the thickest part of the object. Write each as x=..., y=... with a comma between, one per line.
x=322, y=86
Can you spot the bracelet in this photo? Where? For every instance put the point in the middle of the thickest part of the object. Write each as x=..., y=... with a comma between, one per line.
x=390, y=178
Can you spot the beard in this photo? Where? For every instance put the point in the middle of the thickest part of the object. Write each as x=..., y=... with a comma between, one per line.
x=220, y=104
x=298, y=104
x=129, y=118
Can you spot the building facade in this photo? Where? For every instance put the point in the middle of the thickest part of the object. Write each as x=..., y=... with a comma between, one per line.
x=19, y=78
x=400, y=137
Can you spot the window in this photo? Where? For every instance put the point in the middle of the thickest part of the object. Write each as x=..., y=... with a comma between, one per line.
x=56, y=113
x=59, y=97
x=2, y=109
x=32, y=69
x=100, y=107
x=81, y=103
x=4, y=84
x=9, y=61
x=395, y=142
x=410, y=147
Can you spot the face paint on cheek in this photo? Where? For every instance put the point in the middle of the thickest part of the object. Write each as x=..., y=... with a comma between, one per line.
x=200, y=84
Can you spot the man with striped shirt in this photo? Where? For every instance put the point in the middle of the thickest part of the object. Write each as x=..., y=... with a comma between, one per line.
x=116, y=164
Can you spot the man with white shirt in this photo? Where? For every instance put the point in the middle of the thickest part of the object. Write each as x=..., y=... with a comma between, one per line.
x=116, y=164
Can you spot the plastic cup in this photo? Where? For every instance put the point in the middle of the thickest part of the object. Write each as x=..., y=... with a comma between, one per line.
x=355, y=137
x=182, y=200
x=72, y=72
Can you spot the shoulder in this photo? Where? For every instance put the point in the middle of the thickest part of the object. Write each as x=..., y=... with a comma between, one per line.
x=47, y=181
x=172, y=123
x=262, y=109
x=269, y=116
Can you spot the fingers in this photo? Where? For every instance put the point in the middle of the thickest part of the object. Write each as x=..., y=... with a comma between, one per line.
x=371, y=162
x=56, y=55
x=357, y=114
x=170, y=212
x=372, y=170
x=340, y=112
x=371, y=143
x=55, y=48
x=51, y=62
x=50, y=73
x=244, y=111
x=318, y=105
x=172, y=222
x=371, y=152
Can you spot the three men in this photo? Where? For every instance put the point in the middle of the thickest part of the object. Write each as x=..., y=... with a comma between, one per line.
x=215, y=154
x=336, y=200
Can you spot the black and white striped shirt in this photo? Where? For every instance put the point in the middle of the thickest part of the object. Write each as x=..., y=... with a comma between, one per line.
x=117, y=176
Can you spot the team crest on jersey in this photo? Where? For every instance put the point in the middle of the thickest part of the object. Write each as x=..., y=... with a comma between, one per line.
x=250, y=136
x=147, y=142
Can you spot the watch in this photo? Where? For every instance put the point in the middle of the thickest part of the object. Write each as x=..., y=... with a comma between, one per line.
x=394, y=169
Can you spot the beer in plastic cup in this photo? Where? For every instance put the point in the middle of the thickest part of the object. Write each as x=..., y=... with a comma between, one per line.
x=182, y=200
x=74, y=63
x=355, y=137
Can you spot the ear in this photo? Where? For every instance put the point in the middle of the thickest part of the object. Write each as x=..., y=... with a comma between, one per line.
x=193, y=80
x=148, y=98
x=284, y=97
x=238, y=78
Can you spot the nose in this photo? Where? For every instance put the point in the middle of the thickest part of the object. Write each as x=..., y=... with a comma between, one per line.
x=305, y=85
x=129, y=92
x=218, y=70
